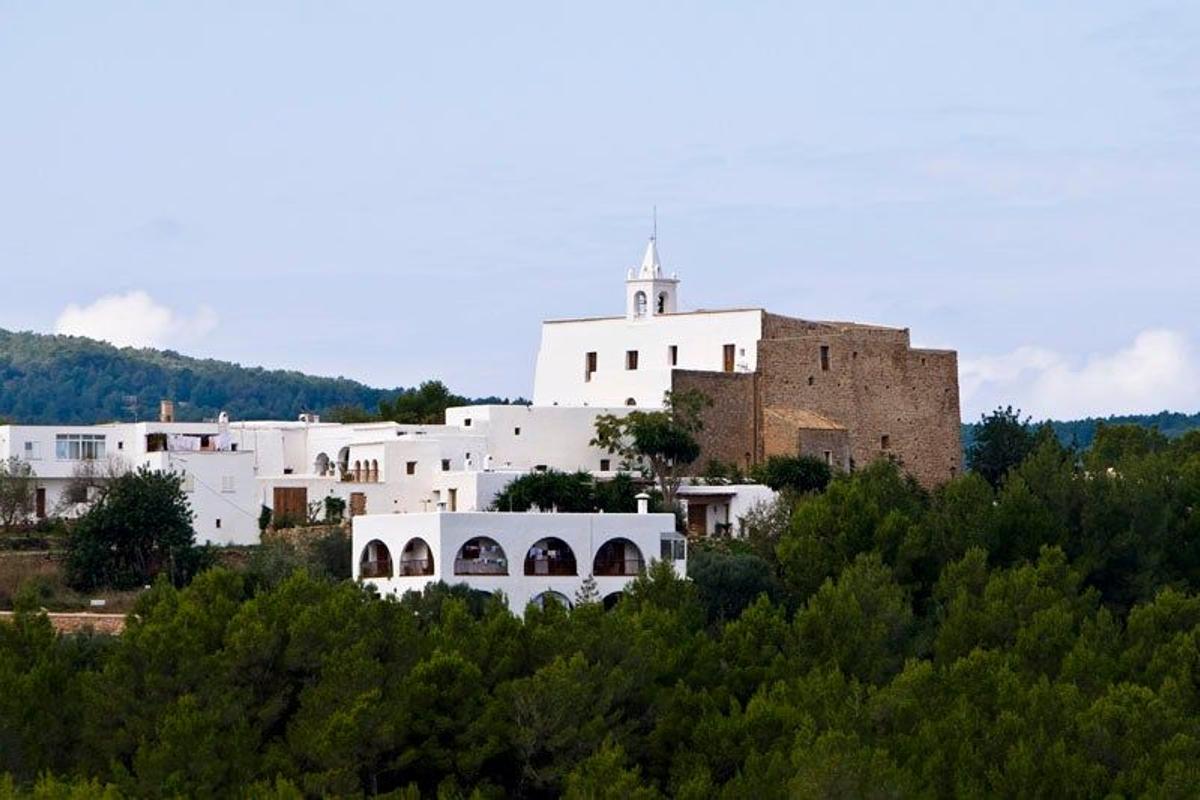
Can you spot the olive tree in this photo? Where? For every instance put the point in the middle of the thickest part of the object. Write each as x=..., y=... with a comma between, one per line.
x=18, y=491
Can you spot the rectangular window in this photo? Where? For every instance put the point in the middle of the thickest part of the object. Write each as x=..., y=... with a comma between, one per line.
x=589, y=366
x=516, y=431
x=218, y=522
x=540, y=467
x=188, y=484
x=445, y=465
x=885, y=442
x=825, y=358
x=79, y=446
x=829, y=457
x=631, y=359
x=227, y=484
x=727, y=357
x=411, y=468
x=605, y=464
x=467, y=422
x=673, y=355
x=33, y=451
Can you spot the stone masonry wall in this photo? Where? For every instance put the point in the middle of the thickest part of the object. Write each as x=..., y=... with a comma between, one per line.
x=876, y=386
x=731, y=425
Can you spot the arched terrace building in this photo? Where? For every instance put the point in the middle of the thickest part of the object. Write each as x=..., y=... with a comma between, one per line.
x=526, y=556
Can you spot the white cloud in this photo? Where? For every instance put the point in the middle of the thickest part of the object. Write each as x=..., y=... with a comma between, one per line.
x=135, y=319
x=1159, y=370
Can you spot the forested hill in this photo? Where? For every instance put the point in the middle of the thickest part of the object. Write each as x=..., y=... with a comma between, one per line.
x=70, y=379
x=1079, y=433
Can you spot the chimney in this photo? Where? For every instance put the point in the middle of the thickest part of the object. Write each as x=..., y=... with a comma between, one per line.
x=643, y=501
x=166, y=411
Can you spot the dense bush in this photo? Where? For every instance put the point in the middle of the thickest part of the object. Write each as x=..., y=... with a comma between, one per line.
x=140, y=526
x=569, y=493
x=1041, y=639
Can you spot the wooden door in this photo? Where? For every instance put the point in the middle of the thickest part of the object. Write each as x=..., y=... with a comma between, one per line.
x=291, y=503
x=728, y=357
x=40, y=502
x=697, y=519
x=358, y=503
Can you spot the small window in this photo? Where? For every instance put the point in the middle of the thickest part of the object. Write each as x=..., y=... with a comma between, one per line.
x=120, y=445
x=605, y=464
x=516, y=431
x=33, y=451
x=218, y=522
x=188, y=484
x=541, y=468
x=673, y=355
x=589, y=366
x=411, y=468
x=825, y=358
x=661, y=307
x=829, y=457
x=227, y=485
x=631, y=359
x=288, y=470
x=629, y=401
x=885, y=442
x=639, y=304
x=467, y=422
x=445, y=465
x=727, y=357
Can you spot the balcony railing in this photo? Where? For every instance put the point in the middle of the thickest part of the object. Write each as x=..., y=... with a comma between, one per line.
x=376, y=569
x=550, y=566
x=480, y=566
x=618, y=566
x=416, y=566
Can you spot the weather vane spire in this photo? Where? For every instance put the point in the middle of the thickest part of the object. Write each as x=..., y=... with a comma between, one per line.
x=654, y=228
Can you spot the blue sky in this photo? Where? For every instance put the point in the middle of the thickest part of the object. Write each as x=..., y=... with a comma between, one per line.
x=393, y=192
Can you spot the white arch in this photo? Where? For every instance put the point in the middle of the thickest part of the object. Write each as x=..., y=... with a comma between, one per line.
x=416, y=558
x=539, y=600
x=375, y=560
x=618, y=556
x=481, y=555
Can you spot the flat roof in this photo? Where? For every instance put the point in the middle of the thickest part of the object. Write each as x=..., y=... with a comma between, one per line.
x=672, y=314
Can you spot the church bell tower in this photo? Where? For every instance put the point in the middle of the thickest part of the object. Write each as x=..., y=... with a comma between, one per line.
x=649, y=293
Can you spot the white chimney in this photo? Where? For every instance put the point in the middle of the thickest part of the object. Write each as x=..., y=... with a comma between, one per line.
x=643, y=501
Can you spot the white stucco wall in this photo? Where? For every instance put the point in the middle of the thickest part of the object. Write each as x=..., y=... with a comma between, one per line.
x=726, y=503
x=445, y=533
x=700, y=337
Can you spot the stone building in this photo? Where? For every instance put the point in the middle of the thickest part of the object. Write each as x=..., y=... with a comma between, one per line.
x=845, y=392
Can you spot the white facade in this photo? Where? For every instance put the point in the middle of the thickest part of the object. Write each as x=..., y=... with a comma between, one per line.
x=627, y=360
x=526, y=556
x=218, y=476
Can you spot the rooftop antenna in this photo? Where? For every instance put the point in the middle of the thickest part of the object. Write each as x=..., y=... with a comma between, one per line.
x=654, y=230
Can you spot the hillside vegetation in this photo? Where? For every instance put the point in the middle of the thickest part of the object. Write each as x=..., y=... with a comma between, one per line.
x=48, y=379
x=1040, y=638
x=1080, y=433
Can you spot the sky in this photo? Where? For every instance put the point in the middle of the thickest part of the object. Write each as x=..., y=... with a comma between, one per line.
x=397, y=191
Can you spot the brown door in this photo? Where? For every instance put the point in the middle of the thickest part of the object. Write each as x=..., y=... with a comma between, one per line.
x=453, y=499
x=697, y=519
x=358, y=504
x=728, y=357
x=40, y=503
x=291, y=502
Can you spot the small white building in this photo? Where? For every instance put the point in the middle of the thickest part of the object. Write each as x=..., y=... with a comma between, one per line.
x=218, y=476
x=713, y=510
x=528, y=556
